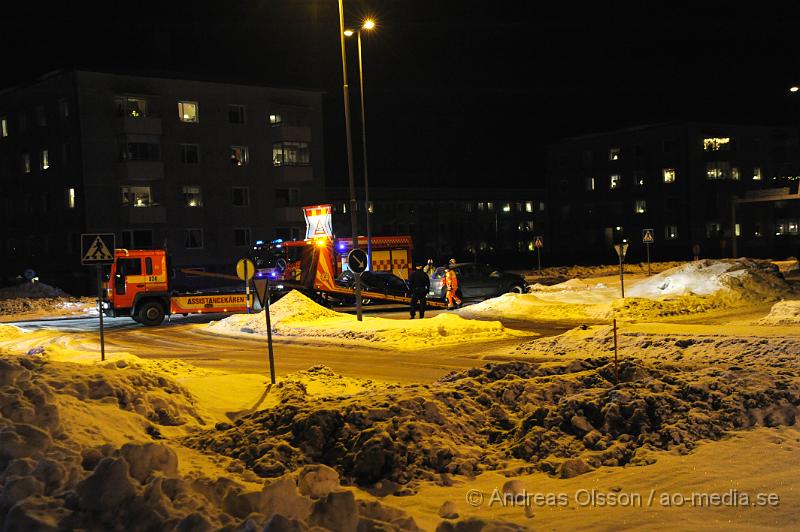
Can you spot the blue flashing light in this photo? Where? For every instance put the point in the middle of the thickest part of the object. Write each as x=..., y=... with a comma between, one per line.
x=273, y=275
x=341, y=246
x=277, y=241
x=259, y=242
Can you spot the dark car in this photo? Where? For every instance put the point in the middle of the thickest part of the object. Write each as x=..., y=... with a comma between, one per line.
x=477, y=281
x=382, y=282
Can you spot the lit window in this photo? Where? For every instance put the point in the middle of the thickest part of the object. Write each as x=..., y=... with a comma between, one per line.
x=671, y=232
x=291, y=154
x=590, y=183
x=613, y=154
x=481, y=206
x=541, y=206
x=241, y=196
x=131, y=107
x=468, y=206
x=669, y=175
x=615, y=181
x=133, y=196
x=638, y=180
x=528, y=206
x=735, y=173
x=737, y=230
x=721, y=170
x=717, y=144
x=239, y=155
x=44, y=160
x=275, y=119
x=757, y=174
x=236, y=114
x=26, y=163
x=3, y=127
x=490, y=206
x=187, y=112
x=192, y=196
x=70, y=197
x=190, y=153
x=193, y=239
x=640, y=206
x=506, y=207
x=241, y=237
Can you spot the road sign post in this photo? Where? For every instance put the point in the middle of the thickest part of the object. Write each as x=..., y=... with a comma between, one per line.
x=262, y=292
x=357, y=260
x=538, y=243
x=98, y=249
x=245, y=269
x=621, y=249
x=647, y=239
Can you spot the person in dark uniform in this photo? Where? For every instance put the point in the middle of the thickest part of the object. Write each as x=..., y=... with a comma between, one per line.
x=419, y=284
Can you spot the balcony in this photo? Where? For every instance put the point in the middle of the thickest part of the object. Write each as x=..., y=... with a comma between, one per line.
x=296, y=133
x=154, y=214
x=140, y=170
x=294, y=174
x=141, y=125
x=288, y=214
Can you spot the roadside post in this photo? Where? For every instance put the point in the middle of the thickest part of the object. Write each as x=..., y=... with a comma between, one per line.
x=647, y=239
x=538, y=243
x=357, y=260
x=262, y=293
x=621, y=249
x=616, y=365
x=245, y=270
x=97, y=249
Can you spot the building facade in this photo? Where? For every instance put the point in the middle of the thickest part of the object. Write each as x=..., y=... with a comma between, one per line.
x=199, y=168
x=681, y=181
x=496, y=226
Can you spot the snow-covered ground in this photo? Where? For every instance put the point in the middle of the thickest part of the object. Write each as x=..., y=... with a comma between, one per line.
x=690, y=288
x=296, y=316
x=697, y=410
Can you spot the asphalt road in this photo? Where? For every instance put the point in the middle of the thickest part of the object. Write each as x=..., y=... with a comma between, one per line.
x=185, y=338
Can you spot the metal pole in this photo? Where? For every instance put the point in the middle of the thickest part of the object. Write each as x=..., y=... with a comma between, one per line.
x=621, y=277
x=364, y=149
x=269, y=337
x=100, y=300
x=348, y=135
x=539, y=259
x=734, y=243
x=648, y=258
x=616, y=366
x=246, y=289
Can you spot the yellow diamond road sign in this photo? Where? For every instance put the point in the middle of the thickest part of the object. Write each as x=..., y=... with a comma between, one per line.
x=97, y=248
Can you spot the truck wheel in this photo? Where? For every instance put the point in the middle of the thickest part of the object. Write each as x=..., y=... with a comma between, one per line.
x=150, y=313
x=516, y=289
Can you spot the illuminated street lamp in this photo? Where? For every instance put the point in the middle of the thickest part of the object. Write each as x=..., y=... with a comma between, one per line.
x=367, y=25
x=794, y=88
x=353, y=218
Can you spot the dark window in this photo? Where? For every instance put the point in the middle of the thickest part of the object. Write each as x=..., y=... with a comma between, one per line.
x=129, y=266
x=239, y=155
x=139, y=150
x=241, y=196
x=190, y=153
x=148, y=266
x=236, y=114
x=286, y=197
x=142, y=239
x=193, y=238
x=41, y=116
x=291, y=154
x=241, y=237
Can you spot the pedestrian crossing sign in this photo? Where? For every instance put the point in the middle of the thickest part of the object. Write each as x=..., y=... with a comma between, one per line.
x=538, y=242
x=97, y=248
x=647, y=236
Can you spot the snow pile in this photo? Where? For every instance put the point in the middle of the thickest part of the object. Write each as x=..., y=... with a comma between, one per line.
x=565, y=417
x=782, y=313
x=90, y=450
x=31, y=291
x=570, y=272
x=295, y=315
x=735, y=278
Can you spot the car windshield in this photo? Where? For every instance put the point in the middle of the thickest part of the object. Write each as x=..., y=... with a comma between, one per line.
x=438, y=274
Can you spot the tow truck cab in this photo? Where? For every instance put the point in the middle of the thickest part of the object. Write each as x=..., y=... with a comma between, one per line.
x=138, y=286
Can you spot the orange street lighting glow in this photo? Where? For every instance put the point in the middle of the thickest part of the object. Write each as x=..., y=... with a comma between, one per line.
x=348, y=33
x=368, y=24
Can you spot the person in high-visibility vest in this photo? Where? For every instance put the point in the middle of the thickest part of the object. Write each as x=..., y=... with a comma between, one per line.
x=451, y=281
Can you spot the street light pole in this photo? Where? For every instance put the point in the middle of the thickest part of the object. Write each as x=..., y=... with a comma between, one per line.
x=348, y=135
x=364, y=144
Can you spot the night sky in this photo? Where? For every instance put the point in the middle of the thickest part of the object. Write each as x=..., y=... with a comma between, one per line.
x=457, y=92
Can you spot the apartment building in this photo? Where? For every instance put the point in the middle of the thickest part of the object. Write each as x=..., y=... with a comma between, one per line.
x=199, y=168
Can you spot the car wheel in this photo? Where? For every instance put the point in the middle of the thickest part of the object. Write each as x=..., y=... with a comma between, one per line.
x=151, y=313
x=516, y=289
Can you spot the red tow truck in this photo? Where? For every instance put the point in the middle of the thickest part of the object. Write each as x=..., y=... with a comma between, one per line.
x=139, y=287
